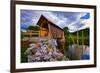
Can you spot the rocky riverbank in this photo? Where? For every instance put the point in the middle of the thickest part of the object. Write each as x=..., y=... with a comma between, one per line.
x=44, y=50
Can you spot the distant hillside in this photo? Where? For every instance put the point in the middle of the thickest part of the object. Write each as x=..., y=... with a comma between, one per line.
x=85, y=31
x=71, y=38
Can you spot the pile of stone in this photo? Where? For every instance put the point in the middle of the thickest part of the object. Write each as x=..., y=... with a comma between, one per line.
x=44, y=51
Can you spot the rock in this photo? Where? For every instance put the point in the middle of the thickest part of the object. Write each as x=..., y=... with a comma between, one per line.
x=44, y=50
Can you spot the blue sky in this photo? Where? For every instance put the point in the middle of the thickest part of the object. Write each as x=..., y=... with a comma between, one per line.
x=72, y=20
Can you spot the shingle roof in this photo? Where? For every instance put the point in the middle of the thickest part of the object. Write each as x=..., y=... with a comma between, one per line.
x=48, y=19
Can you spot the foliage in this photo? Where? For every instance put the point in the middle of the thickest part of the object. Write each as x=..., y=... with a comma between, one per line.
x=35, y=28
x=23, y=56
x=71, y=38
x=66, y=32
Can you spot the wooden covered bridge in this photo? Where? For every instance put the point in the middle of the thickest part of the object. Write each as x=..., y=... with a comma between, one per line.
x=49, y=29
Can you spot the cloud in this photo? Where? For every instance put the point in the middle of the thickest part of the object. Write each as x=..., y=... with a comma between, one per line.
x=82, y=22
x=58, y=20
x=72, y=20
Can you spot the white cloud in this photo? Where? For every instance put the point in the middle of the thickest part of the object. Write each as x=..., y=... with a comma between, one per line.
x=72, y=21
x=49, y=15
x=60, y=21
x=84, y=23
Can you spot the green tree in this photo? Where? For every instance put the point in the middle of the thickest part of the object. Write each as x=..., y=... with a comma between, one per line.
x=66, y=34
x=66, y=30
x=35, y=28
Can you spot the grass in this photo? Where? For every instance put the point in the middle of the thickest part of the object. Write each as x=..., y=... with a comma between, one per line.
x=23, y=56
x=73, y=40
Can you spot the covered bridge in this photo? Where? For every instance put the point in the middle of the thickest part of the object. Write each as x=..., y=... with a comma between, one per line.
x=49, y=29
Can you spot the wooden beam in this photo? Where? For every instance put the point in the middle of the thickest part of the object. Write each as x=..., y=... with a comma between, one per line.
x=49, y=35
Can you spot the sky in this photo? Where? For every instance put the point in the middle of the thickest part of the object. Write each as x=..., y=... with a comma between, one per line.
x=73, y=20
